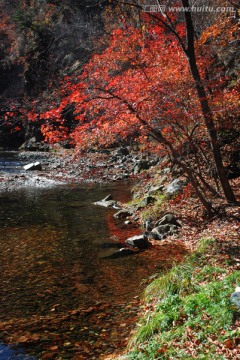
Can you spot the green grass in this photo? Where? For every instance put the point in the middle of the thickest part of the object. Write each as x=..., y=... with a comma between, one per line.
x=191, y=306
x=133, y=202
x=155, y=209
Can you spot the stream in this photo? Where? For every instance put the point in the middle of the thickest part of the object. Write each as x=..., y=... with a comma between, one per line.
x=9, y=162
x=63, y=295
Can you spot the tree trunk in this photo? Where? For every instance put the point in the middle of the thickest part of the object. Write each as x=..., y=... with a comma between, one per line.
x=206, y=111
x=207, y=114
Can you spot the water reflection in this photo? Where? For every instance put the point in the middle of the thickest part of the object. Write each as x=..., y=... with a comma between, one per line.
x=57, y=288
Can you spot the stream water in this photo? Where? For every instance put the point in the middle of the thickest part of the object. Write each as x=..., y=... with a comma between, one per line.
x=63, y=296
x=9, y=162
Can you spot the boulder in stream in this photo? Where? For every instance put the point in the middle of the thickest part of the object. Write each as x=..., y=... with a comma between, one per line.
x=138, y=241
x=108, y=202
x=33, y=166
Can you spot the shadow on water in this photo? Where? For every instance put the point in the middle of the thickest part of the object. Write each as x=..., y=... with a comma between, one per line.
x=62, y=295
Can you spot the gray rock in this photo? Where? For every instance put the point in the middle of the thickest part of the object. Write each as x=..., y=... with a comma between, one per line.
x=141, y=165
x=139, y=241
x=148, y=224
x=168, y=219
x=33, y=145
x=162, y=231
x=122, y=214
x=128, y=222
x=155, y=189
x=166, y=171
x=146, y=201
x=156, y=236
x=108, y=202
x=235, y=297
x=175, y=187
x=33, y=166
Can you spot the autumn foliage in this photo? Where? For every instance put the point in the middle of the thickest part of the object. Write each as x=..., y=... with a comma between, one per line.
x=130, y=78
x=142, y=73
x=142, y=86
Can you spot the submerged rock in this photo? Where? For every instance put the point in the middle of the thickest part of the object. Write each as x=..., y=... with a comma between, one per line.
x=121, y=253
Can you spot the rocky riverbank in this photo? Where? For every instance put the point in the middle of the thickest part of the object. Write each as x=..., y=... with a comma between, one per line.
x=46, y=169
x=168, y=220
x=63, y=166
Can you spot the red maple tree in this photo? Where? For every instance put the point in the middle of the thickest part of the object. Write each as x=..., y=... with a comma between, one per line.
x=150, y=81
